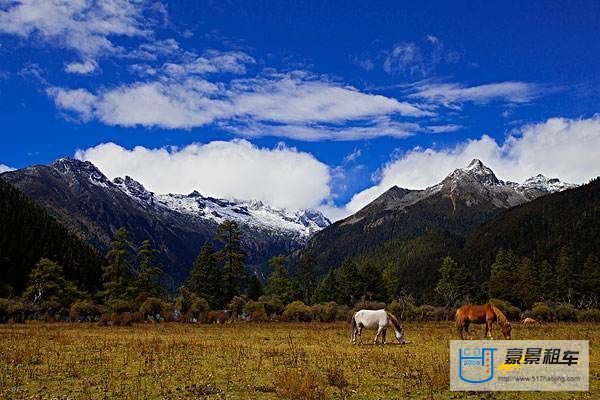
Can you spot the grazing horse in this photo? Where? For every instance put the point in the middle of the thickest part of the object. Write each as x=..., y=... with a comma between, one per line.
x=481, y=314
x=375, y=319
x=530, y=321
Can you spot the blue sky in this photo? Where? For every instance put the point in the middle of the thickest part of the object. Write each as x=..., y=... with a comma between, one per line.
x=304, y=103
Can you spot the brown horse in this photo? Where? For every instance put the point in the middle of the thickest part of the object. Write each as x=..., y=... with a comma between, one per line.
x=481, y=314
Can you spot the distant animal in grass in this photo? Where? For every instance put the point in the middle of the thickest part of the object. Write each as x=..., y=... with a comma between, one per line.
x=481, y=314
x=376, y=319
x=530, y=321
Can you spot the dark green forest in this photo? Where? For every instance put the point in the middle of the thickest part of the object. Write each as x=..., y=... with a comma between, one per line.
x=541, y=254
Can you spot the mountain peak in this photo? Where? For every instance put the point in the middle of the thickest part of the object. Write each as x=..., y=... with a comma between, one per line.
x=476, y=171
x=475, y=164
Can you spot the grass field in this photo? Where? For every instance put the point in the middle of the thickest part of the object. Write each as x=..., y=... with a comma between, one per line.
x=244, y=361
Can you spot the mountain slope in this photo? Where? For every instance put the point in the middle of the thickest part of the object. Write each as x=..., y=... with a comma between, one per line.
x=79, y=194
x=540, y=229
x=28, y=233
x=465, y=199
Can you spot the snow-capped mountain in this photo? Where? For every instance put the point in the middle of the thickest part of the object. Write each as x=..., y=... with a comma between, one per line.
x=466, y=198
x=81, y=196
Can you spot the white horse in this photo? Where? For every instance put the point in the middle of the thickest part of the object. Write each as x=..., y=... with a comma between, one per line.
x=375, y=319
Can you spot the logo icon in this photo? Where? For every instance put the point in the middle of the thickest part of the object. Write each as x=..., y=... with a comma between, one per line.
x=476, y=364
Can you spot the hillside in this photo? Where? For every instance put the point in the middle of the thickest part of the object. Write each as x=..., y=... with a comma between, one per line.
x=29, y=233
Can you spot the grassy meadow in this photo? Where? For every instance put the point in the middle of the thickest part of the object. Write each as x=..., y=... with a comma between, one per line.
x=245, y=361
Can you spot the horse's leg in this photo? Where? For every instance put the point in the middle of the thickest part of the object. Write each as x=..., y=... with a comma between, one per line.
x=383, y=336
x=379, y=330
x=490, y=324
x=467, y=329
x=360, y=328
x=485, y=333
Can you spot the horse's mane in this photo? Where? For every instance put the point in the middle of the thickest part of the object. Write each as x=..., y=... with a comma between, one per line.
x=502, y=320
x=395, y=322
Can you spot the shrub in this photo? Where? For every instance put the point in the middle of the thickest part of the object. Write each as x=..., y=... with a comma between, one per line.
x=152, y=307
x=424, y=312
x=11, y=310
x=297, y=311
x=85, y=310
x=512, y=313
x=118, y=306
x=589, y=315
x=344, y=313
x=324, y=312
x=541, y=312
x=369, y=305
x=218, y=317
x=254, y=306
x=273, y=305
x=297, y=384
x=259, y=315
x=565, y=312
x=198, y=309
x=237, y=304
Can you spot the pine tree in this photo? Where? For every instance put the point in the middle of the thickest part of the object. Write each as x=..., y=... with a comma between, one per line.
x=117, y=274
x=306, y=277
x=255, y=288
x=391, y=280
x=147, y=281
x=528, y=288
x=327, y=290
x=279, y=284
x=455, y=282
x=564, y=278
x=206, y=278
x=372, y=282
x=503, y=279
x=234, y=274
x=49, y=290
x=590, y=283
x=350, y=288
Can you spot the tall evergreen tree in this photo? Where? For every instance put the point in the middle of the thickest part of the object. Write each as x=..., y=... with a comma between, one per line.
x=117, y=273
x=279, y=284
x=327, y=290
x=590, y=282
x=455, y=282
x=148, y=277
x=372, y=282
x=391, y=280
x=306, y=277
x=228, y=233
x=503, y=279
x=255, y=287
x=565, y=276
x=349, y=283
x=49, y=290
x=205, y=278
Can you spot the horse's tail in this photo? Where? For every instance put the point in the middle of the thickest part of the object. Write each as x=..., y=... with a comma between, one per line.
x=502, y=320
x=458, y=321
x=354, y=327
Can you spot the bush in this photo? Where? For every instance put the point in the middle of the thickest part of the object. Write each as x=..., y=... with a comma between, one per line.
x=297, y=311
x=11, y=310
x=324, y=312
x=218, y=317
x=153, y=308
x=424, y=312
x=273, y=305
x=565, y=312
x=84, y=310
x=512, y=313
x=198, y=309
x=118, y=306
x=541, y=312
x=589, y=315
x=297, y=384
x=344, y=313
x=237, y=304
x=369, y=305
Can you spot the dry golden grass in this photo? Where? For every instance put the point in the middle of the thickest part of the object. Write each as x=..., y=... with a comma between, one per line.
x=243, y=361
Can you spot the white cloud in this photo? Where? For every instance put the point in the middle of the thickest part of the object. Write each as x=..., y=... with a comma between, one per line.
x=405, y=58
x=281, y=176
x=454, y=94
x=85, y=26
x=559, y=147
x=353, y=156
x=85, y=67
x=299, y=105
x=5, y=168
x=213, y=61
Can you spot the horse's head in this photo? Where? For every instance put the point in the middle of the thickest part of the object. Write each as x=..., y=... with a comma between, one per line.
x=506, y=330
x=400, y=336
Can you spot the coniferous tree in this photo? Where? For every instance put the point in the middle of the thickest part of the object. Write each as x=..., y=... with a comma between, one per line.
x=205, y=278
x=147, y=281
x=372, y=282
x=503, y=279
x=117, y=273
x=49, y=290
x=234, y=274
x=391, y=280
x=564, y=280
x=279, y=284
x=455, y=282
x=306, y=277
x=528, y=286
x=591, y=279
x=255, y=287
x=327, y=290
x=349, y=283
